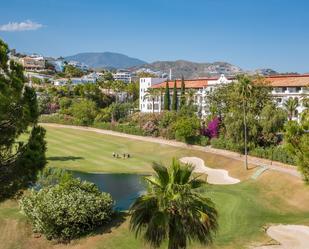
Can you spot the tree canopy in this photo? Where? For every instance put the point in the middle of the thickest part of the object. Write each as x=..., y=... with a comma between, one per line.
x=19, y=161
x=263, y=118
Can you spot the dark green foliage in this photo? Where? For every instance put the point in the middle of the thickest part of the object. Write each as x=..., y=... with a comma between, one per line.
x=167, y=99
x=296, y=138
x=120, y=110
x=52, y=176
x=173, y=209
x=182, y=93
x=84, y=111
x=277, y=153
x=93, y=92
x=175, y=98
x=226, y=144
x=57, y=118
x=125, y=128
x=187, y=128
x=71, y=71
x=21, y=170
x=249, y=101
x=19, y=162
x=67, y=210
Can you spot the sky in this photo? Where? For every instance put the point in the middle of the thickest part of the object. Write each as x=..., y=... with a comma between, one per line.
x=248, y=33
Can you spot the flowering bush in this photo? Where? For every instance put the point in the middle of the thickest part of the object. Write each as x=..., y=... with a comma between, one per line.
x=150, y=128
x=67, y=210
x=212, y=130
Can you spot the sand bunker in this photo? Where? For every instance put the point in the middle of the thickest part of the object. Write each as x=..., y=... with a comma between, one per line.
x=288, y=237
x=215, y=176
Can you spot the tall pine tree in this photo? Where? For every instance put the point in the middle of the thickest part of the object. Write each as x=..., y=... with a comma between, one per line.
x=174, y=99
x=19, y=162
x=182, y=93
x=167, y=99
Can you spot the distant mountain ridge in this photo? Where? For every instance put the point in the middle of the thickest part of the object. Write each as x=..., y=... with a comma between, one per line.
x=106, y=60
x=191, y=69
x=179, y=68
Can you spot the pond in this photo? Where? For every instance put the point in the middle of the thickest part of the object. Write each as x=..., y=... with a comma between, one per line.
x=124, y=188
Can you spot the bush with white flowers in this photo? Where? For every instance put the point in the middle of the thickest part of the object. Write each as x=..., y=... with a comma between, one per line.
x=67, y=210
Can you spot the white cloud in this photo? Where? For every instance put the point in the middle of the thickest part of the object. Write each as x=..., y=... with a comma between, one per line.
x=20, y=26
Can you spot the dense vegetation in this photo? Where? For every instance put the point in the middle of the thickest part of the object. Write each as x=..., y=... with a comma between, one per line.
x=297, y=143
x=19, y=161
x=67, y=210
x=249, y=115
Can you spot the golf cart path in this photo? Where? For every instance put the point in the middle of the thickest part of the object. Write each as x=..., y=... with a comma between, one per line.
x=288, y=237
x=277, y=166
x=214, y=176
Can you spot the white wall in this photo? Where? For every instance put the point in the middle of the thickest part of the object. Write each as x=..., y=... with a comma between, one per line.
x=144, y=104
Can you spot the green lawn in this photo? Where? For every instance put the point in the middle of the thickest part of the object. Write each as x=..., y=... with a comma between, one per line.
x=244, y=209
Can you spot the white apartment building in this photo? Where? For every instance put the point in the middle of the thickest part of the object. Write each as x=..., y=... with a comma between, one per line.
x=145, y=104
x=123, y=75
x=284, y=87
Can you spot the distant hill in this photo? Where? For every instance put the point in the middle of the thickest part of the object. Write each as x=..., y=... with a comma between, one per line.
x=265, y=71
x=192, y=69
x=106, y=60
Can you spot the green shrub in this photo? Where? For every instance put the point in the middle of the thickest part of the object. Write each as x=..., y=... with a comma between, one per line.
x=226, y=144
x=84, y=112
x=57, y=118
x=125, y=128
x=273, y=153
x=186, y=129
x=168, y=133
x=67, y=210
x=203, y=140
x=51, y=176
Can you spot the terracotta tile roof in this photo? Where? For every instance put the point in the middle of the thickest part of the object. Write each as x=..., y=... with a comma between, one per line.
x=288, y=80
x=274, y=81
x=194, y=83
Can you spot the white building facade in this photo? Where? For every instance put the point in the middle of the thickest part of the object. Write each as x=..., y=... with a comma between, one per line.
x=123, y=75
x=145, y=103
x=283, y=88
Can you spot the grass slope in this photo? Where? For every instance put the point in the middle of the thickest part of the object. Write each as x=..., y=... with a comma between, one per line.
x=244, y=209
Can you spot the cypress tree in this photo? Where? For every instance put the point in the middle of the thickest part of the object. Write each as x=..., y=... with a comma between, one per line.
x=174, y=99
x=182, y=93
x=167, y=99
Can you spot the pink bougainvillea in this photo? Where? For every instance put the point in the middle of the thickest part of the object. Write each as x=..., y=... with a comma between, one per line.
x=212, y=129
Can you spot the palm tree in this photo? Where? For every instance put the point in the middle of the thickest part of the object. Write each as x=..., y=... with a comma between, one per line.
x=245, y=86
x=291, y=105
x=173, y=209
x=153, y=94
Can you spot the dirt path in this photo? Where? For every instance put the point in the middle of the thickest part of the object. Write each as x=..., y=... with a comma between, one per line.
x=288, y=237
x=214, y=176
x=277, y=166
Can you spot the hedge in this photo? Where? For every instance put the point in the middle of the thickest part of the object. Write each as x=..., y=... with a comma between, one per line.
x=273, y=153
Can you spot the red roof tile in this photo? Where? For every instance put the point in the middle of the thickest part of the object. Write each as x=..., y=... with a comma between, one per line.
x=288, y=80
x=194, y=83
x=275, y=81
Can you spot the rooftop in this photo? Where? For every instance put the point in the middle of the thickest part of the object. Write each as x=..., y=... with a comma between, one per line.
x=288, y=80
x=275, y=81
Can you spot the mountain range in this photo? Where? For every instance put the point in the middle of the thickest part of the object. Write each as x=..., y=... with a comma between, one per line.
x=179, y=68
x=190, y=69
x=106, y=60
